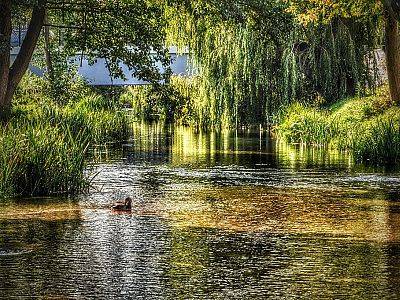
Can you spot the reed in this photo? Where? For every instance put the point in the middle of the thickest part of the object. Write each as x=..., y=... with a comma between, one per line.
x=40, y=159
x=381, y=144
x=305, y=125
x=368, y=127
x=43, y=148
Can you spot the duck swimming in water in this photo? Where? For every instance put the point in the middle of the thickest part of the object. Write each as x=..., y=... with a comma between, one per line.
x=125, y=205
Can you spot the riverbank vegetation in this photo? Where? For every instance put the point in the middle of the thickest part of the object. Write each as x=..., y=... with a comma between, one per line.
x=254, y=63
x=45, y=143
x=367, y=127
x=131, y=32
x=251, y=63
x=248, y=60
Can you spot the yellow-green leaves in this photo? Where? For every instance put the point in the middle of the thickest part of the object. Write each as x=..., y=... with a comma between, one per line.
x=323, y=11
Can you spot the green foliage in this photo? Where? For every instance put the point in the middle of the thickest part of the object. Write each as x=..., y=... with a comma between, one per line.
x=368, y=127
x=129, y=31
x=236, y=52
x=102, y=117
x=333, y=61
x=178, y=102
x=251, y=59
x=44, y=145
x=64, y=83
x=305, y=125
x=322, y=11
x=381, y=143
x=41, y=159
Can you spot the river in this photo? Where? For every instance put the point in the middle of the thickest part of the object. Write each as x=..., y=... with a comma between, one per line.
x=229, y=215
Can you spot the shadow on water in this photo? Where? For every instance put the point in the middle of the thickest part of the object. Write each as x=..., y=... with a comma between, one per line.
x=232, y=215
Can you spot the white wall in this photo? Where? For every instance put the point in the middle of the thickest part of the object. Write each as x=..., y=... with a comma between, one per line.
x=97, y=74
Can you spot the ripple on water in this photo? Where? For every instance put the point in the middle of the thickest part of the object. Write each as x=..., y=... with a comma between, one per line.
x=13, y=252
x=215, y=217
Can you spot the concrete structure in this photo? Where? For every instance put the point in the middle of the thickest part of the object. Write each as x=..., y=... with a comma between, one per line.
x=18, y=36
x=35, y=70
x=97, y=74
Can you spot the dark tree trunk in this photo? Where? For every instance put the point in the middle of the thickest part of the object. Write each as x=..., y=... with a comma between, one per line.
x=5, y=37
x=392, y=48
x=21, y=63
x=11, y=77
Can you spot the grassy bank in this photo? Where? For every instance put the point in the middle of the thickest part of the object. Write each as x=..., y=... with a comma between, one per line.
x=44, y=145
x=368, y=127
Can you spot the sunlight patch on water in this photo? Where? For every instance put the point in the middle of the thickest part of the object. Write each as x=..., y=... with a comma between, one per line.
x=50, y=211
x=285, y=211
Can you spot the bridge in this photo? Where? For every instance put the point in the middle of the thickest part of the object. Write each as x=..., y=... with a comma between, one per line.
x=97, y=74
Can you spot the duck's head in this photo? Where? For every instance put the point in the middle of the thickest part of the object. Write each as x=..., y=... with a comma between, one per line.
x=128, y=202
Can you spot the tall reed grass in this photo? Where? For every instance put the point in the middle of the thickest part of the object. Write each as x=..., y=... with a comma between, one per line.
x=41, y=159
x=368, y=127
x=381, y=144
x=43, y=148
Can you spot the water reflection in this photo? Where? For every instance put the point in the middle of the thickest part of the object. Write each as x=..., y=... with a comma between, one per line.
x=232, y=215
x=286, y=211
x=242, y=266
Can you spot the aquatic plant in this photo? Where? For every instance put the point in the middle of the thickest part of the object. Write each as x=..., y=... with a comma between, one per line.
x=381, y=143
x=41, y=159
x=102, y=117
x=305, y=125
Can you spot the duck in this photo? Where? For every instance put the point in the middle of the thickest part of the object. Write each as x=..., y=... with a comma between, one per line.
x=125, y=205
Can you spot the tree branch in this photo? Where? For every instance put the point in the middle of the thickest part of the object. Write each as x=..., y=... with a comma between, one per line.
x=63, y=26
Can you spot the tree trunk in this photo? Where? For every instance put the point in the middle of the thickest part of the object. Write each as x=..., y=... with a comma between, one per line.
x=5, y=38
x=392, y=48
x=21, y=63
x=47, y=51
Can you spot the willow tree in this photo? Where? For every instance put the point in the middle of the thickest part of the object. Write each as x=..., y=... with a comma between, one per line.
x=120, y=31
x=237, y=48
x=252, y=57
x=321, y=11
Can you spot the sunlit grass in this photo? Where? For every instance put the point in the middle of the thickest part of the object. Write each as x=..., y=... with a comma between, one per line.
x=43, y=148
x=368, y=127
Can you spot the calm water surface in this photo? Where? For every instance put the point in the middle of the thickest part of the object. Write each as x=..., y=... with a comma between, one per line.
x=233, y=215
